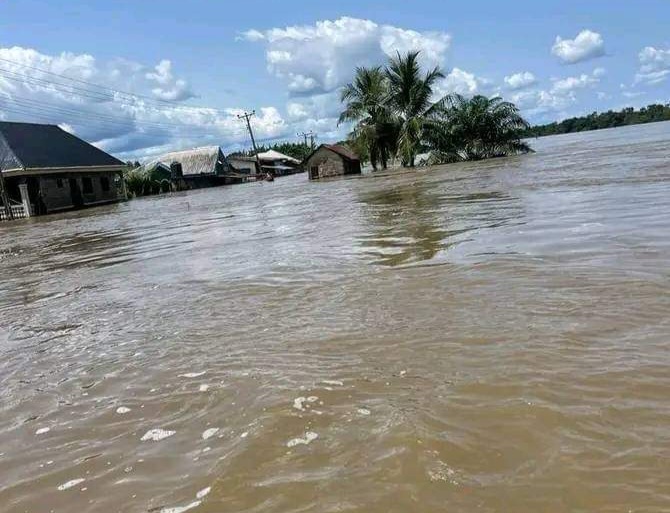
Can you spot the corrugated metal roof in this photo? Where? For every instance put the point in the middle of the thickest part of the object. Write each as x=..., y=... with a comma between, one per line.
x=198, y=161
x=275, y=155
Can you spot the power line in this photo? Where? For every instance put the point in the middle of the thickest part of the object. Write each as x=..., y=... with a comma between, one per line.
x=108, y=90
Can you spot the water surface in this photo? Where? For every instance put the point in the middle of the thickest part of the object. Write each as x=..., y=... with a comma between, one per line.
x=479, y=337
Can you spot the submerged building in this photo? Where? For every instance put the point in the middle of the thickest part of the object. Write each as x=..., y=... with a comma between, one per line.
x=331, y=160
x=196, y=168
x=46, y=169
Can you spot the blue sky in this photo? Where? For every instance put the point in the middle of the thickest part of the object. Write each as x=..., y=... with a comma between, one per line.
x=195, y=64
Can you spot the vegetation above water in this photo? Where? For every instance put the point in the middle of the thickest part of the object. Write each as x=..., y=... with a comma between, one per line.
x=395, y=115
x=610, y=119
x=145, y=182
x=296, y=150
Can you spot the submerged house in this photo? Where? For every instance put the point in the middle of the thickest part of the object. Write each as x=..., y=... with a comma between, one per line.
x=278, y=163
x=331, y=160
x=46, y=169
x=196, y=168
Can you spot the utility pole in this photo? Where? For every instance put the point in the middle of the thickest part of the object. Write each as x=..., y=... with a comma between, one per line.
x=246, y=116
x=311, y=135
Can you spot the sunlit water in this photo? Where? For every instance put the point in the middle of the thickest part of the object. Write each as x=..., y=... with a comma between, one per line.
x=485, y=337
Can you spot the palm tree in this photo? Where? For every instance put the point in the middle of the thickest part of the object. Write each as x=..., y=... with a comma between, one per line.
x=478, y=128
x=411, y=98
x=366, y=103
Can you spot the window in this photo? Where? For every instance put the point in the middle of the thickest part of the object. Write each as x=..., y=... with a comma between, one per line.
x=59, y=183
x=87, y=185
x=104, y=183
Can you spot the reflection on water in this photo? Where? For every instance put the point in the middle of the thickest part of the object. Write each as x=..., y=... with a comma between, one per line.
x=481, y=337
x=417, y=220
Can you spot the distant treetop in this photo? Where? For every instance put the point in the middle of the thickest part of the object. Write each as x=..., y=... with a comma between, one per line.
x=610, y=119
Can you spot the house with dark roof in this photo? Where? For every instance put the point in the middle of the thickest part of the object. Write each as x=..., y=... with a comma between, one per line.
x=331, y=160
x=48, y=169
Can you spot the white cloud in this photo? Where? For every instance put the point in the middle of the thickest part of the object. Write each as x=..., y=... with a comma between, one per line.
x=587, y=45
x=130, y=126
x=520, y=80
x=460, y=82
x=319, y=58
x=654, y=66
x=556, y=100
x=168, y=88
x=570, y=84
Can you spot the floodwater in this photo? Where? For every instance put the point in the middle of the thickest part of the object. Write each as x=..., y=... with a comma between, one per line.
x=489, y=337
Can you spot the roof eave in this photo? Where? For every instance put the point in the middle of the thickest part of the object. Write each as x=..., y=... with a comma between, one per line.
x=54, y=170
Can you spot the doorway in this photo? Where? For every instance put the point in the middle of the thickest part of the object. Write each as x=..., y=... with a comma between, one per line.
x=75, y=193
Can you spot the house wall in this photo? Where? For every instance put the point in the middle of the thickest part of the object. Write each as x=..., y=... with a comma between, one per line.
x=330, y=164
x=327, y=162
x=57, y=194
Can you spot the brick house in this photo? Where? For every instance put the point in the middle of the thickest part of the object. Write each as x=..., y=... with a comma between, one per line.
x=48, y=169
x=331, y=160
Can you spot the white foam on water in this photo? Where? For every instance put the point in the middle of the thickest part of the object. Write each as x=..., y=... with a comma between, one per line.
x=70, y=484
x=299, y=402
x=181, y=509
x=204, y=388
x=122, y=409
x=207, y=449
x=192, y=374
x=309, y=437
x=333, y=382
x=157, y=434
x=245, y=434
x=363, y=411
x=203, y=493
x=41, y=431
x=208, y=433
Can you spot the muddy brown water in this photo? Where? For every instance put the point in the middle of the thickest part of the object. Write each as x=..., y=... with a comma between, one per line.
x=485, y=337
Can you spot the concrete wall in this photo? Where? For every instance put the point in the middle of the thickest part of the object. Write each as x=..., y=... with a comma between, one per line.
x=327, y=162
x=57, y=194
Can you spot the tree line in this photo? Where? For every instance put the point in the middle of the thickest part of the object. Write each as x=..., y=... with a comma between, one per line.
x=292, y=149
x=396, y=115
x=610, y=119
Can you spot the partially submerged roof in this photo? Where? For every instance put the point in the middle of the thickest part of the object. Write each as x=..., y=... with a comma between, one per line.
x=342, y=151
x=275, y=155
x=37, y=146
x=198, y=161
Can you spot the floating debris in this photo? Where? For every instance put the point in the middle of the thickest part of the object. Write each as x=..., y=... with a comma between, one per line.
x=193, y=374
x=363, y=411
x=157, y=434
x=41, y=431
x=70, y=484
x=203, y=388
x=309, y=437
x=209, y=433
x=333, y=382
x=203, y=493
x=122, y=409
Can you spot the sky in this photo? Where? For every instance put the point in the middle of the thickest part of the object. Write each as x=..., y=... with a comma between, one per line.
x=140, y=78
